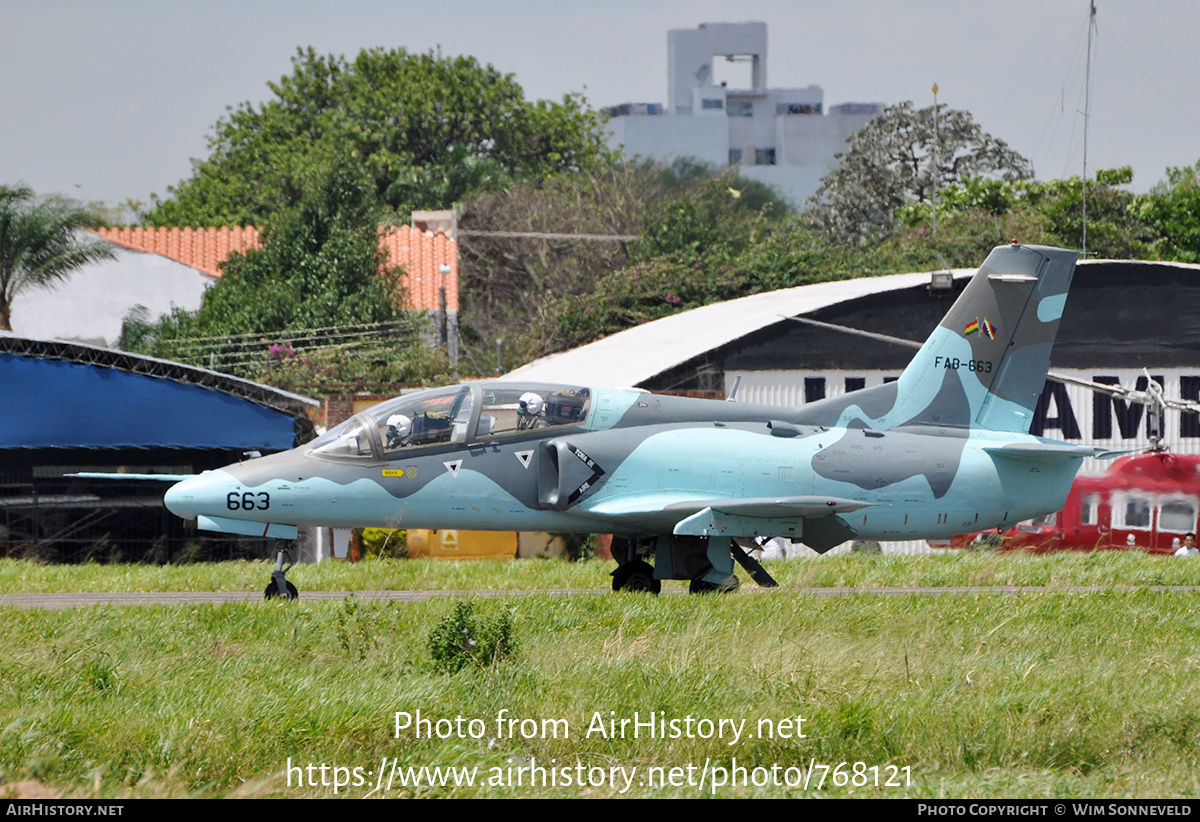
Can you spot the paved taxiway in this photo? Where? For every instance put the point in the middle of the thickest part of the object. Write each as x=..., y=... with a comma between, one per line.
x=59, y=601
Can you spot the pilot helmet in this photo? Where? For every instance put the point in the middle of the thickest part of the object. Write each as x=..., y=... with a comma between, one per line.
x=531, y=403
x=400, y=424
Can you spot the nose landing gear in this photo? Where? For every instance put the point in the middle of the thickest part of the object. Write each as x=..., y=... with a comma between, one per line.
x=279, y=585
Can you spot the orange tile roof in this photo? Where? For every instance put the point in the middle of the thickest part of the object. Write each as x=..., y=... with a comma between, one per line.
x=203, y=249
x=420, y=254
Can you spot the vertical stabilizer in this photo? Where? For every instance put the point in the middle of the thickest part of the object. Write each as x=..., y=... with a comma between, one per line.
x=986, y=363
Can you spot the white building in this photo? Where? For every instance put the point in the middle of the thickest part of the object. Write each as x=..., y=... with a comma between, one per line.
x=721, y=111
x=162, y=268
x=91, y=304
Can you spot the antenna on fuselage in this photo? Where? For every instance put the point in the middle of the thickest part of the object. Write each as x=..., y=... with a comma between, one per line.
x=733, y=391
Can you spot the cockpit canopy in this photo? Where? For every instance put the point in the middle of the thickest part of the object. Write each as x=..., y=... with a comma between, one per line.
x=457, y=414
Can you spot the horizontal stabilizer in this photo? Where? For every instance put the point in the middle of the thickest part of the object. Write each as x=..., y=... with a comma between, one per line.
x=1046, y=452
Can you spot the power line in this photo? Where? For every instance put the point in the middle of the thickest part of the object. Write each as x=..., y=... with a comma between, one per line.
x=302, y=332
x=251, y=353
x=550, y=235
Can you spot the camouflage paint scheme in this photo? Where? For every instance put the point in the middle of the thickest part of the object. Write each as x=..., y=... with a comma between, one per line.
x=943, y=450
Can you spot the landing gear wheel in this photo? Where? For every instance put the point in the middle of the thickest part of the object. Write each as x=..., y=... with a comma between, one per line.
x=272, y=592
x=700, y=586
x=279, y=584
x=636, y=576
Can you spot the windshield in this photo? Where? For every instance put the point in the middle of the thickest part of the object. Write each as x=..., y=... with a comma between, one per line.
x=423, y=418
x=347, y=440
x=445, y=415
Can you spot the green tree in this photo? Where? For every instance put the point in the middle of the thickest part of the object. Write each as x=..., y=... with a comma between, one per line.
x=891, y=163
x=320, y=265
x=1050, y=213
x=1172, y=212
x=41, y=243
x=1115, y=225
x=756, y=255
x=513, y=286
x=427, y=129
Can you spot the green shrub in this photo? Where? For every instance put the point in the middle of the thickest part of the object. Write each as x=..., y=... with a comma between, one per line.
x=464, y=638
x=385, y=542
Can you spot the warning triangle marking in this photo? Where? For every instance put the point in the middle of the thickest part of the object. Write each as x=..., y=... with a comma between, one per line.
x=452, y=466
x=524, y=457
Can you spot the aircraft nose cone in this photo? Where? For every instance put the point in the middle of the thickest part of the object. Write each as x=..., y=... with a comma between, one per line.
x=200, y=495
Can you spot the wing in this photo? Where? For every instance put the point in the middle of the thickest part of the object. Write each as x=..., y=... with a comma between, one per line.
x=812, y=520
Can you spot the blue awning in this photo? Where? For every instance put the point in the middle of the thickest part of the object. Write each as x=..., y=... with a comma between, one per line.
x=47, y=403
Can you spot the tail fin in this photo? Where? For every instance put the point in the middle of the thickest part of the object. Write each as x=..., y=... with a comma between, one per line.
x=985, y=364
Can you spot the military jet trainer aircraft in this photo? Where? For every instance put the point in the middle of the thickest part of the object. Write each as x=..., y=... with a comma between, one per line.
x=943, y=450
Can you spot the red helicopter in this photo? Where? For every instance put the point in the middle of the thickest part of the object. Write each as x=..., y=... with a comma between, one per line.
x=1147, y=502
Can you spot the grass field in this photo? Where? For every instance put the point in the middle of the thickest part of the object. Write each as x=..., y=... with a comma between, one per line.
x=1049, y=693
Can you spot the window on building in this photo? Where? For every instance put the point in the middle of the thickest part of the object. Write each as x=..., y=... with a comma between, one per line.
x=713, y=104
x=740, y=108
x=735, y=156
x=764, y=156
x=797, y=108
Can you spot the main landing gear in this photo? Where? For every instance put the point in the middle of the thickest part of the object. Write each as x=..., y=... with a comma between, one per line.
x=636, y=576
x=706, y=563
x=279, y=585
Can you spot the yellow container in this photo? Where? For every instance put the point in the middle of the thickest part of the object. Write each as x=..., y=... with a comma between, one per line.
x=451, y=544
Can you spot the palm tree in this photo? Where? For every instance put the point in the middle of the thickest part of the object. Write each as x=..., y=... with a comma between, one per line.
x=41, y=243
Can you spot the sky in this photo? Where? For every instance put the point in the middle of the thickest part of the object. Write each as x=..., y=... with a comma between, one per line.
x=110, y=100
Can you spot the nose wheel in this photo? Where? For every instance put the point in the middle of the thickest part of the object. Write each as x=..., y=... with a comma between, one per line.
x=272, y=591
x=279, y=585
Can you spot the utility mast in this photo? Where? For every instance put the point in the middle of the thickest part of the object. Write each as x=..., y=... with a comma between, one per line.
x=1087, y=112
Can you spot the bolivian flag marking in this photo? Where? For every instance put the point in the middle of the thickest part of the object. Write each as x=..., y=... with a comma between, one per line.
x=986, y=327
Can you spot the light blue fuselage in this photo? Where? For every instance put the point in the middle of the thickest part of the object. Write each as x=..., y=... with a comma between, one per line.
x=670, y=466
